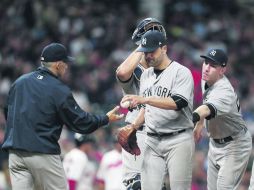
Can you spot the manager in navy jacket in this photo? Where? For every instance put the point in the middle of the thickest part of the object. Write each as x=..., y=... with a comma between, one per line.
x=37, y=107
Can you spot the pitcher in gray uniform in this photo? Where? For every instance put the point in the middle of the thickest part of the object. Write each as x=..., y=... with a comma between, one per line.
x=230, y=141
x=128, y=77
x=166, y=96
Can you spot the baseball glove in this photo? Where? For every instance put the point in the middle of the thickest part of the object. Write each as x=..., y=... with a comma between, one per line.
x=127, y=139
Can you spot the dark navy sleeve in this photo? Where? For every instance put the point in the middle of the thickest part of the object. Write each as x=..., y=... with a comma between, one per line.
x=77, y=119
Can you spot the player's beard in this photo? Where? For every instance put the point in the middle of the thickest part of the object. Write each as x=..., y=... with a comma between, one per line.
x=151, y=62
x=154, y=62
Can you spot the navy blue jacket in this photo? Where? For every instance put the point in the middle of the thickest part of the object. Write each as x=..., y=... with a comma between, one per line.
x=37, y=107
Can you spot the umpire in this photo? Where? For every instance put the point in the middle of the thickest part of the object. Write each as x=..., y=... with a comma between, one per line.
x=38, y=105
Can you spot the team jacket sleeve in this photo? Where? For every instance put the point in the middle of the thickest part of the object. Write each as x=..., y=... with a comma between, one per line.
x=77, y=119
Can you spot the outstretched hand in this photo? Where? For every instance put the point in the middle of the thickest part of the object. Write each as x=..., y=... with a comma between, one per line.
x=113, y=115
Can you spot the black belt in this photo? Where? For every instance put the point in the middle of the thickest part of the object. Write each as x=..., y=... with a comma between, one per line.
x=223, y=140
x=160, y=135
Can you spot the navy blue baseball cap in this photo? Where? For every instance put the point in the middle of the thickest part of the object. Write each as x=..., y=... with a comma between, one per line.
x=152, y=40
x=217, y=56
x=56, y=52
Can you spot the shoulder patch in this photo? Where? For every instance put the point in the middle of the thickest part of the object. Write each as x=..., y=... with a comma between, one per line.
x=40, y=77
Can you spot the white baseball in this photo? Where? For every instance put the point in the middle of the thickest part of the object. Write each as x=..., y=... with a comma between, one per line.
x=125, y=104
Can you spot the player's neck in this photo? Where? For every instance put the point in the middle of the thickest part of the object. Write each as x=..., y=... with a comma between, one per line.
x=165, y=63
x=211, y=83
x=159, y=71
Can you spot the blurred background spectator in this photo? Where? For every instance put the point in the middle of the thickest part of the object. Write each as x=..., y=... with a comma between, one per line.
x=109, y=174
x=80, y=165
x=98, y=33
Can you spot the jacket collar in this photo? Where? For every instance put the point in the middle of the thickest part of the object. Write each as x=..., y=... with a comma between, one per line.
x=45, y=69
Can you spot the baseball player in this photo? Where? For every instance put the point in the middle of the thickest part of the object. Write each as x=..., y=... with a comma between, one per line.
x=128, y=76
x=109, y=175
x=230, y=142
x=166, y=96
x=79, y=169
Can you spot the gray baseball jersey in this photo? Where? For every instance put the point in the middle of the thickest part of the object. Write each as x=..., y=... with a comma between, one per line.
x=132, y=165
x=226, y=158
x=174, y=80
x=174, y=152
x=227, y=109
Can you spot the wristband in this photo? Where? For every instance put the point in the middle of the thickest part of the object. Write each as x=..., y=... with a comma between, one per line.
x=195, y=117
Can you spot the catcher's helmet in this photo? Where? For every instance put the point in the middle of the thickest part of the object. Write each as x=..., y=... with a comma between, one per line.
x=82, y=139
x=145, y=25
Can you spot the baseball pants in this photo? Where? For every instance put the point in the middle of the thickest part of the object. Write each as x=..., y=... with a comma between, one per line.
x=35, y=171
x=227, y=162
x=174, y=153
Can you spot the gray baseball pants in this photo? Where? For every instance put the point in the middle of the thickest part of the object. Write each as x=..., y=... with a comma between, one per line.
x=227, y=162
x=174, y=153
x=35, y=171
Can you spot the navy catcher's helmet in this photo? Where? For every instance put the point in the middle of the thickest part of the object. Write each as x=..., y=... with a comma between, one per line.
x=145, y=25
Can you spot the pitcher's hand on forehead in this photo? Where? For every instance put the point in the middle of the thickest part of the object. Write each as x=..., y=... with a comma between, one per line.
x=135, y=100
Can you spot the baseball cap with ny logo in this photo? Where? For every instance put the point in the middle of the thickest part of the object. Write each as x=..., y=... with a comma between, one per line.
x=152, y=40
x=217, y=56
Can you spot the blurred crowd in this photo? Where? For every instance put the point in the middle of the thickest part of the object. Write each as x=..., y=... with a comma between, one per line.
x=98, y=34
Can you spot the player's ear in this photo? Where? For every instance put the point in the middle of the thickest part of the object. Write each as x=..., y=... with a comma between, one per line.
x=58, y=65
x=223, y=70
x=164, y=49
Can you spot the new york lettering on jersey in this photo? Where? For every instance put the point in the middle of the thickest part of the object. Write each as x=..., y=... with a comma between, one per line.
x=175, y=80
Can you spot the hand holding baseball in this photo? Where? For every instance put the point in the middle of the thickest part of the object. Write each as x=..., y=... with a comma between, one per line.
x=125, y=104
x=131, y=101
